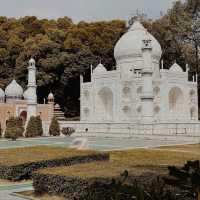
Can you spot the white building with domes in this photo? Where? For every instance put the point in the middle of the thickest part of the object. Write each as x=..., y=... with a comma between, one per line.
x=15, y=102
x=138, y=98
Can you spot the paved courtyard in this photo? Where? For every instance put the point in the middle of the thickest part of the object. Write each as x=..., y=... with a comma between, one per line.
x=102, y=144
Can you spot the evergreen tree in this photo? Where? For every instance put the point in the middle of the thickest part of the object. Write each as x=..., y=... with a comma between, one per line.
x=34, y=127
x=14, y=128
x=54, y=128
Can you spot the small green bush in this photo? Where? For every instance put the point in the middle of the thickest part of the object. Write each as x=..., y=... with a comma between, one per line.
x=68, y=131
x=11, y=133
x=14, y=128
x=54, y=128
x=34, y=127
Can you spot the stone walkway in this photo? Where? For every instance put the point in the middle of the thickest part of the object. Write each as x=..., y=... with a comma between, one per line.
x=6, y=191
x=102, y=144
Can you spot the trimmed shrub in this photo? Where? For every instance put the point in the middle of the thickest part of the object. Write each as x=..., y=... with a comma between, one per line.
x=14, y=128
x=39, y=126
x=107, y=188
x=187, y=178
x=34, y=127
x=54, y=128
x=68, y=131
x=24, y=171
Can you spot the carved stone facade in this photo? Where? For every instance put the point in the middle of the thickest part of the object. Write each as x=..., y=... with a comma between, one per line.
x=138, y=91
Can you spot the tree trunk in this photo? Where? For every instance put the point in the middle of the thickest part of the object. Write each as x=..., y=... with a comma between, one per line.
x=198, y=196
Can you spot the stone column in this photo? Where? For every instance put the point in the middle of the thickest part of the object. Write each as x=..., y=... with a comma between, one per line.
x=32, y=96
x=147, y=87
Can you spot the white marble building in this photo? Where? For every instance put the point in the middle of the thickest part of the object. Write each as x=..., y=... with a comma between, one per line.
x=138, y=91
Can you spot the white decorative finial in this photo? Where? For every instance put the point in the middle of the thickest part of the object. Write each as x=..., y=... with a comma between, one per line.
x=136, y=16
x=31, y=62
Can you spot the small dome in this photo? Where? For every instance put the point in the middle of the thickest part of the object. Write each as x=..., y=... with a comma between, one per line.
x=2, y=94
x=14, y=90
x=176, y=68
x=31, y=62
x=100, y=69
x=131, y=43
x=50, y=96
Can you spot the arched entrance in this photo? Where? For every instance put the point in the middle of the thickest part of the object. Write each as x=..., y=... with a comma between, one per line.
x=105, y=104
x=193, y=113
x=176, y=100
x=23, y=116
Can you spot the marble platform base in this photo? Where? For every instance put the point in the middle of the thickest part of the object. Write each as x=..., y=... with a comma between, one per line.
x=171, y=131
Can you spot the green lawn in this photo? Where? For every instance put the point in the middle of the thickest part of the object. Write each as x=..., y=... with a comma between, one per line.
x=17, y=156
x=135, y=161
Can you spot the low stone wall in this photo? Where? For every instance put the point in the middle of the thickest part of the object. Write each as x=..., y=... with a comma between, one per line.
x=168, y=130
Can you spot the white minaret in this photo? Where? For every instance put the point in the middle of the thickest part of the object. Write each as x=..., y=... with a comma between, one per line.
x=147, y=88
x=31, y=94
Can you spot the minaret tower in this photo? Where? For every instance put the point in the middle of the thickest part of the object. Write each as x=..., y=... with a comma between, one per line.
x=147, y=89
x=32, y=96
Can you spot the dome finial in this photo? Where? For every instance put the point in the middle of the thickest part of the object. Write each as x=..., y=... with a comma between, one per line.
x=50, y=97
x=129, y=46
x=137, y=16
x=31, y=62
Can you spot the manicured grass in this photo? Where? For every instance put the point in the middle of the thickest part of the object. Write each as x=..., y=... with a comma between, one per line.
x=194, y=148
x=17, y=156
x=135, y=161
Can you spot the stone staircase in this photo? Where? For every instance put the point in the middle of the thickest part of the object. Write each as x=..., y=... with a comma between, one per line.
x=58, y=113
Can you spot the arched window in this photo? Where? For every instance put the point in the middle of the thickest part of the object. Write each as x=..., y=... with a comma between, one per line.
x=156, y=110
x=192, y=96
x=176, y=102
x=156, y=91
x=193, y=113
x=23, y=116
x=86, y=95
x=86, y=112
x=139, y=90
x=105, y=104
x=127, y=111
x=139, y=109
x=127, y=92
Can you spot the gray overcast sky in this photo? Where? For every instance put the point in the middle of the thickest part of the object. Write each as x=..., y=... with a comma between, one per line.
x=87, y=10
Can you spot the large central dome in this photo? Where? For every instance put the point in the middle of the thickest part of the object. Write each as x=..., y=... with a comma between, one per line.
x=130, y=44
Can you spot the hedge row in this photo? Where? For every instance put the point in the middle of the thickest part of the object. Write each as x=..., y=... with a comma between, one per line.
x=72, y=188
x=121, y=187
x=24, y=171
